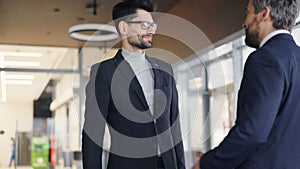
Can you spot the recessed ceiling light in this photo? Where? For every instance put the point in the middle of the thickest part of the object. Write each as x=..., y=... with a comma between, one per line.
x=56, y=9
x=18, y=82
x=20, y=77
x=80, y=19
x=25, y=54
x=19, y=63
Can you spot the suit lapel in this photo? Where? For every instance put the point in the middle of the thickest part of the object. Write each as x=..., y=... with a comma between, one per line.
x=125, y=69
x=157, y=73
x=158, y=76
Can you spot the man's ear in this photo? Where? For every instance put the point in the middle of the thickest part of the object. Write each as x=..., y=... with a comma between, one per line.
x=266, y=14
x=123, y=27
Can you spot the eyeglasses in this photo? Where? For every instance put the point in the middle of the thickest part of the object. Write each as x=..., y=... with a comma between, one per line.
x=145, y=24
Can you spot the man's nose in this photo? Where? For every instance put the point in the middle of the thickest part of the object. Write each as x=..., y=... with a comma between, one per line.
x=151, y=30
x=244, y=25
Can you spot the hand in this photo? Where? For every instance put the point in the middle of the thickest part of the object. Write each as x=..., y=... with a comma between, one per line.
x=196, y=165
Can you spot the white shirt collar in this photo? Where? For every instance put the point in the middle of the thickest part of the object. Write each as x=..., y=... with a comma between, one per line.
x=272, y=34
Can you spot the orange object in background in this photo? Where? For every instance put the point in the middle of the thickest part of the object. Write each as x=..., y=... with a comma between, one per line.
x=52, y=151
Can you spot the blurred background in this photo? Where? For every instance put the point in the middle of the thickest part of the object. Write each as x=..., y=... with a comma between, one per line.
x=45, y=63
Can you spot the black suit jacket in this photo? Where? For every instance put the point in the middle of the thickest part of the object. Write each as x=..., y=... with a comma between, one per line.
x=115, y=97
x=266, y=133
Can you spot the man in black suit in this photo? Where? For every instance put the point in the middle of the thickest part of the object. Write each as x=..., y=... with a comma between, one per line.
x=266, y=133
x=136, y=97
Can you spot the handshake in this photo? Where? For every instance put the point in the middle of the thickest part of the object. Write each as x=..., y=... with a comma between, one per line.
x=199, y=154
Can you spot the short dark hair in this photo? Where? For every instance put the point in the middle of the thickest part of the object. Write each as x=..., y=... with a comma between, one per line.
x=126, y=9
x=283, y=12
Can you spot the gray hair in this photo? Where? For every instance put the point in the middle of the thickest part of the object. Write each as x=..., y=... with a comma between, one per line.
x=283, y=12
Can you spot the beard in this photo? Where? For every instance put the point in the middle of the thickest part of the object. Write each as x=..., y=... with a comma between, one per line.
x=251, y=39
x=139, y=42
x=252, y=36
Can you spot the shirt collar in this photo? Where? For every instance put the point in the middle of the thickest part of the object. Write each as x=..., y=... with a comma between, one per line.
x=272, y=34
x=131, y=55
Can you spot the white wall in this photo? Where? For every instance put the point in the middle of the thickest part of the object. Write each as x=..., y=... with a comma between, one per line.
x=75, y=133
x=66, y=129
x=296, y=34
x=60, y=132
x=10, y=113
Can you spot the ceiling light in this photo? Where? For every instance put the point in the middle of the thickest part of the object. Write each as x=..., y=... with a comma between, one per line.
x=25, y=54
x=18, y=63
x=111, y=32
x=18, y=82
x=19, y=77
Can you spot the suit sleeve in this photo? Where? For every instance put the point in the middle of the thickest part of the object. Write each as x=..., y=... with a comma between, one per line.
x=97, y=101
x=176, y=129
x=259, y=99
